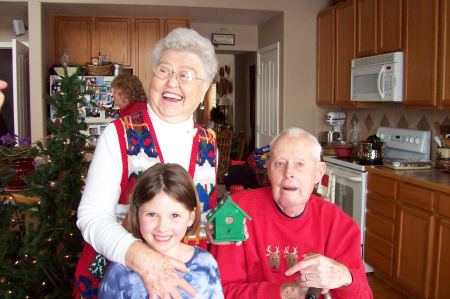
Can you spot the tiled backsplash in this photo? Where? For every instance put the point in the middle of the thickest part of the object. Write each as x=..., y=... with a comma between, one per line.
x=392, y=115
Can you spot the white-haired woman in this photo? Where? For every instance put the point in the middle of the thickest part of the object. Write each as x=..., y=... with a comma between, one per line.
x=184, y=67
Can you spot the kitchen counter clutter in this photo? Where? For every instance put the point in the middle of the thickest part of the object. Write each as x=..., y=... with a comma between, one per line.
x=435, y=179
x=408, y=230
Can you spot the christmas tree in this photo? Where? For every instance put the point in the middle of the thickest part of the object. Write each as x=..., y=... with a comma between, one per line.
x=40, y=243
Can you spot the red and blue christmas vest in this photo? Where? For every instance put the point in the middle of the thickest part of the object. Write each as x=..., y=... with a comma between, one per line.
x=140, y=150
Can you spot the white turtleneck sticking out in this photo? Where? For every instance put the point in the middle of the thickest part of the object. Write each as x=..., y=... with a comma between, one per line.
x=174, y=139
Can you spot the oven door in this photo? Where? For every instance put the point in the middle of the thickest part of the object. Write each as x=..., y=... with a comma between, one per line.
x=350, y=192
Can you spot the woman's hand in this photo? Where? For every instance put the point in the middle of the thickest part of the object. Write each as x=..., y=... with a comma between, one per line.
x=158, y=272
x=3, y=85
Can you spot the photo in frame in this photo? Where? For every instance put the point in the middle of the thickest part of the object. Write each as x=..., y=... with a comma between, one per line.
x=222, y=39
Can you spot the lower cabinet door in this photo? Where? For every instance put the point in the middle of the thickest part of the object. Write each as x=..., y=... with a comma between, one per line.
x=414, y=250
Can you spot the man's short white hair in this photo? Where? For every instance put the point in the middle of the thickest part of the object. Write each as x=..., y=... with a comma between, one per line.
x=316, y=149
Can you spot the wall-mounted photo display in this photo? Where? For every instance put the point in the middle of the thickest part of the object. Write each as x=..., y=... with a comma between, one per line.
x=99, y=106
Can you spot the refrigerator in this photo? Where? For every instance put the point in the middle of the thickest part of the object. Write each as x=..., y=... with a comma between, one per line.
x=99, y=110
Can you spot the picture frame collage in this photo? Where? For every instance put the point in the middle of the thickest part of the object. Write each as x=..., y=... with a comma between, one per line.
x=100, y=109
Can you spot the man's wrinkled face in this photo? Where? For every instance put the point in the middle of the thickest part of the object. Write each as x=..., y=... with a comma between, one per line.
x=293, y=172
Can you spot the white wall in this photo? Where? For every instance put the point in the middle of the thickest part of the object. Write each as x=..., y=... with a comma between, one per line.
x=246, y=36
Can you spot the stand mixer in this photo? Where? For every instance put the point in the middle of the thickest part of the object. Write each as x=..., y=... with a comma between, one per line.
x=336, y=120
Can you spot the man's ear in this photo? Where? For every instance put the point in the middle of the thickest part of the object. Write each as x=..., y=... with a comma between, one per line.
x=320, y=171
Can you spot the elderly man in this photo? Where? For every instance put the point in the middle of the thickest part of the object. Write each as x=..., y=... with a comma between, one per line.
x=296, y=240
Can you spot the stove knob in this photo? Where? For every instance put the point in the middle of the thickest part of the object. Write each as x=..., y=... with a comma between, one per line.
x=407, y=139
x=411, y=140
x=417, y=140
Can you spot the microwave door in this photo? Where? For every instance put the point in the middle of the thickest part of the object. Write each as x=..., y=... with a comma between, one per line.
x=364, y=83
x=380, y=80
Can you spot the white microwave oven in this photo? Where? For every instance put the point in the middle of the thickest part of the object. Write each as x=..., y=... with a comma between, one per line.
x=377, y=78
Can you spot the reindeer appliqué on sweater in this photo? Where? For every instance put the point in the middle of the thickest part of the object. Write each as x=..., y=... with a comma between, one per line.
x=274, y=258
x=291, y=257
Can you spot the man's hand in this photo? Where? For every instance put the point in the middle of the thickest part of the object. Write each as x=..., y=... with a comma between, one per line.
x=321, y=272
x=292, y=290
x=158, y=272
x=3, y=85
x=210, y=230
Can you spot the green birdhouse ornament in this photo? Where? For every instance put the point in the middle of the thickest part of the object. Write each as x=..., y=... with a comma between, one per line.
x=228, y=221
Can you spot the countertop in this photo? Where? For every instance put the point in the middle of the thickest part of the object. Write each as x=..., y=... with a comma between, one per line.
x=435, y=179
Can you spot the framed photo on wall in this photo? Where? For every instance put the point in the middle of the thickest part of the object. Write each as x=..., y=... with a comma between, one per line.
x=222, y=39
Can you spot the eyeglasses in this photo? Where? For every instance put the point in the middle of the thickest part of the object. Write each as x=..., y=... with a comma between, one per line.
x=183, y=76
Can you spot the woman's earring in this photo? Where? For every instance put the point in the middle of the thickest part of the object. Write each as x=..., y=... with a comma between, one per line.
x=202, y=106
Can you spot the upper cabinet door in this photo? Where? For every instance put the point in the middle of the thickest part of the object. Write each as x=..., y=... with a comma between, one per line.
x=170, y=24
x=444, y=71
x=146, y=35
x=345, y=51
x=366, y=27
x=113, y=38
x=325, y=57
x=73, y=37
x=390, y=22
x=421, y=41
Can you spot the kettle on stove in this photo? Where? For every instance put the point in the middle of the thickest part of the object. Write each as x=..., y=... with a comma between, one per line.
x=371, y=151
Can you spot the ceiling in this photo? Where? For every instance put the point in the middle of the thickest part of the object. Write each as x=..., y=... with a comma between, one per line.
x=195, y=14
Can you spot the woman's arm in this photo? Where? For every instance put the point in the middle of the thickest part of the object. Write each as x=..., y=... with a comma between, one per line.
x=98, y=225
x=97, y=209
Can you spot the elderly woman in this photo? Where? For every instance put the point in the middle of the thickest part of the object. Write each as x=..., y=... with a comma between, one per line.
x=184, y=66
x=128, y=94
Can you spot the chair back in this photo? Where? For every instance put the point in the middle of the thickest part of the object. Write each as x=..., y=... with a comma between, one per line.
x=223, y=140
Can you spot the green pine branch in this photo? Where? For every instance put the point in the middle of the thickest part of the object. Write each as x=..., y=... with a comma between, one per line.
x=40, y=246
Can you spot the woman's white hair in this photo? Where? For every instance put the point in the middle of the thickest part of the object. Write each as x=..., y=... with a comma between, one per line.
x=188, y=40
x=316, y=149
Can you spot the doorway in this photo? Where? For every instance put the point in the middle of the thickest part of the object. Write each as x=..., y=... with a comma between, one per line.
x=7, y=112
x=267, y=94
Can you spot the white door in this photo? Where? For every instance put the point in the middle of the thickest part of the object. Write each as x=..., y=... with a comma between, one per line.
x=267, y=94
x=21, y=88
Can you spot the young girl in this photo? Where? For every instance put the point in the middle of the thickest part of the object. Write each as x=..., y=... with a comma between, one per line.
x=163, y=209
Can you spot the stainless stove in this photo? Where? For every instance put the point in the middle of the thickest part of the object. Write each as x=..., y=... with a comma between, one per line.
x=404, y=149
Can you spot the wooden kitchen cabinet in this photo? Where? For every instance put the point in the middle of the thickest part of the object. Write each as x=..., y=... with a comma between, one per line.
x=442, y=256
x=366, y=12
x=379, y=26
x=325, y=57
x=345, y=14
x=170, y=24
x=73, y=37
x=335, y=51
x=380, y=224
x=444, y=70
x=415, y=229
x=112, y=37
x=421, y=53
x=408, y=234
x=146, y=35
x=126, y=40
